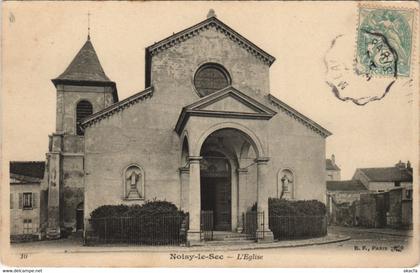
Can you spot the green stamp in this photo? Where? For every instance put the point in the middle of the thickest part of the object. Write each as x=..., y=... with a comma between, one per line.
x=384, y=42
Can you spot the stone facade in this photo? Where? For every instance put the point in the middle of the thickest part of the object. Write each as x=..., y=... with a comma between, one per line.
x=161, y=143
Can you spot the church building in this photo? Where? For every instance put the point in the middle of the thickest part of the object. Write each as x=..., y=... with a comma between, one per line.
x=204, y=134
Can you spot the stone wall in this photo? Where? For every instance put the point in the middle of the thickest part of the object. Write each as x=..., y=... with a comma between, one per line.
x=395, y=208
x=67, y=98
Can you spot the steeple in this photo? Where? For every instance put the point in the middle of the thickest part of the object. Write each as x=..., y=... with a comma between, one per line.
x=85, y=67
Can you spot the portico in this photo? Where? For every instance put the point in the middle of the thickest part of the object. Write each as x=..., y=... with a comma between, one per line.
x=224, y=160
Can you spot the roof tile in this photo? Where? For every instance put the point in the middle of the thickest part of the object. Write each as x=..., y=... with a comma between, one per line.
x=85, y=66
x=393, y=174
x=34, y=169
x=345, y=185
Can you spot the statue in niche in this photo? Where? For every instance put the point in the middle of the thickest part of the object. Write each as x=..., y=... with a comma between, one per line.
x=286, y=185
x=133, y=183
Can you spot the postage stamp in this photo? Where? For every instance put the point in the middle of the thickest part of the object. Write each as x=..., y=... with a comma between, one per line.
x=384, y=42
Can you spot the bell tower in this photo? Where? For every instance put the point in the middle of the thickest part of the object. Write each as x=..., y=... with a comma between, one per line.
x=82, y=89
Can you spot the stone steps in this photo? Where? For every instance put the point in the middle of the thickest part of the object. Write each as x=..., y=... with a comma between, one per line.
x=230, y=237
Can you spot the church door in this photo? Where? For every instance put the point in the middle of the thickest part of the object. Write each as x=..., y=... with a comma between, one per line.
x=216, y=190
x=223, y=204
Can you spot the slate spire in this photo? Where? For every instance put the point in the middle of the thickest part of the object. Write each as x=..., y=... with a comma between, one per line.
x=85, y=67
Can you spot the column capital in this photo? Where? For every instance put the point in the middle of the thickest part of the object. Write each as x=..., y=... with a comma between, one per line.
x=194, y=159
x=262, y=160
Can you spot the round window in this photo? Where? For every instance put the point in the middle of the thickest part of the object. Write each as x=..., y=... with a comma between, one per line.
x=210, y=78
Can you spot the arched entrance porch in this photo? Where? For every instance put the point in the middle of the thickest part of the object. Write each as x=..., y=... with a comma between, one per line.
x=226, y=174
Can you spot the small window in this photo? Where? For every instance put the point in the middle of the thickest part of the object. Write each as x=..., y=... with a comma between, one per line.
x=397, y=184
x=83, y=109
x=210, y=78
x=27, y=226
x=27, y=200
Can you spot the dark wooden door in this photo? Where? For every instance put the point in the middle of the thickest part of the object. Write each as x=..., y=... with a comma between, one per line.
x=79, y=219
x=222, y=204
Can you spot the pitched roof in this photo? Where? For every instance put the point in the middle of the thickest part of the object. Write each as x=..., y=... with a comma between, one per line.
x=249, y=108
x=330, y=166
x=388, y=174
x=298, y=116
x=211, y=22
x=86, y=70
x=85, y=66
x=34, y=170
x=345, y=185
x=117, y=107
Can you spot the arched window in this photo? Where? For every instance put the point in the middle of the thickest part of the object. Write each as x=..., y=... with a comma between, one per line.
x=83, y=109
x=133, y=181
x=285, y=184
x=210, y=78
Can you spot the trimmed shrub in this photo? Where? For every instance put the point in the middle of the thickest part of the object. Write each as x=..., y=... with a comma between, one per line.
x=282, y=207
x=297, y=219
x=154, y=223
x=109, y=211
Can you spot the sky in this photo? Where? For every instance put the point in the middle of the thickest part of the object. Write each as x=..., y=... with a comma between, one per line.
x=41, y=38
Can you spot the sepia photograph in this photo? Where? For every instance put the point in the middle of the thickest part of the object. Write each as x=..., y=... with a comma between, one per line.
x=210, y=134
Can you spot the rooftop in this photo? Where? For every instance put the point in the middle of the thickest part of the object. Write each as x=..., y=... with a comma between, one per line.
x=331, y=166
x=29, y=171
x=345, y=185
x=85, y=66
x=387, y=174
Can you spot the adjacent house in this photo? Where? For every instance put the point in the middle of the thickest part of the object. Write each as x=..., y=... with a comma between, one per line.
x=374, y=197
x=27, y=200
x=386, y=178
x=333, y=172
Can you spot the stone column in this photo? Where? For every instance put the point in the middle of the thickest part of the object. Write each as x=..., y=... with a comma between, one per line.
x=242, y=179
x=184, y=173
x=194, y=201
x=263, y=231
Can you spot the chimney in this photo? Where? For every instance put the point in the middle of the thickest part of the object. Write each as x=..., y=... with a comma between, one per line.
x=400, y=165
x=409, y=165
x=333, y=158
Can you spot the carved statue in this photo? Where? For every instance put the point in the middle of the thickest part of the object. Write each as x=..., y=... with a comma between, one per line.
x=133, y=176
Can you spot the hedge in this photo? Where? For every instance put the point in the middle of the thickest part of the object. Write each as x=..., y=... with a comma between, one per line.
x=297, y=219
x=155, y=222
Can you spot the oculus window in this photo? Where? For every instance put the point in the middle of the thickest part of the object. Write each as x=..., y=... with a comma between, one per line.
x=210, y=78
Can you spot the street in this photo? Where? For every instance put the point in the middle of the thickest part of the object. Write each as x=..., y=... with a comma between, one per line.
x=364, y=239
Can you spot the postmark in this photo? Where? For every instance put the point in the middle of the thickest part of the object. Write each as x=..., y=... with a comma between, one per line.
x=364, y=67
x=384, y=42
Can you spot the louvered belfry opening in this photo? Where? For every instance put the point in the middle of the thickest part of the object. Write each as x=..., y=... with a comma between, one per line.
x=83, y=109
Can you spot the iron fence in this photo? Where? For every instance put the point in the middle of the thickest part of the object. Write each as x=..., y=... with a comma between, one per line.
x=297, y=227
x=144, y=230
x=253, y=222
x=207, y=225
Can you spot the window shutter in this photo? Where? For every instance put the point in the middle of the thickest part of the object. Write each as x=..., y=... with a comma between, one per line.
x=34, y=200
x=20, y=200
x=11, y=200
